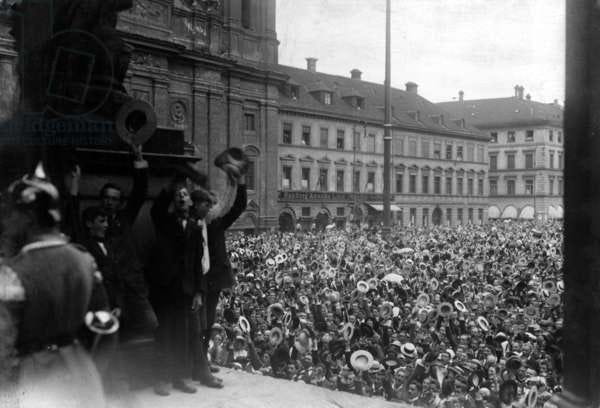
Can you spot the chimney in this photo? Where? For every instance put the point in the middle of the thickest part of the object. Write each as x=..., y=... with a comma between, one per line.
x=311, y=64
x=521, y=90
x=528, y=97
x=461, y=96
x=411, y=87
x=517, y=91
x=355, y=74
x=556, y=102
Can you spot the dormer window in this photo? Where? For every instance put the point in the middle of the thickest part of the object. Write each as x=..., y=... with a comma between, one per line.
x=435, y=119
x=327, y=98
x=415, y=115
x=360, y=103
x=294, y=91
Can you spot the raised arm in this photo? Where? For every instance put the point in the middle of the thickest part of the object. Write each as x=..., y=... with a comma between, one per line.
x=140, y=186
x=239, y=206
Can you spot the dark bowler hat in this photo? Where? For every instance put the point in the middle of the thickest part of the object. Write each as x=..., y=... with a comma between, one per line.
x=233, y=160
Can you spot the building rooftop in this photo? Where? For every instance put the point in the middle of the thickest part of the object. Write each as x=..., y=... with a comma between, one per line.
x=505, y=112
x=363, y=101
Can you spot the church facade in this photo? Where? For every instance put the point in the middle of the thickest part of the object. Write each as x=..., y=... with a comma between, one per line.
x=205, y=67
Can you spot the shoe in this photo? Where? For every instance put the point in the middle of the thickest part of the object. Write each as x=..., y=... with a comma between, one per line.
x=184, y=387
x=211, y=382
x=214, y=369
x=162, y=389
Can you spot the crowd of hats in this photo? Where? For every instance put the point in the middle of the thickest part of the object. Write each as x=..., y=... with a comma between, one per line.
x=434, y=317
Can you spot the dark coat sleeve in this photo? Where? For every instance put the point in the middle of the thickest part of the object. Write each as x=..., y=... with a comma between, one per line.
x=138, y=195
x=238, y=207
x=72, y=223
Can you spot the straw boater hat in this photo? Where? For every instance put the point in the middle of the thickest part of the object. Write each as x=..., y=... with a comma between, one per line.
x=102, y=322
x=554, y=300
x=362, y=286
x=276, y=336
x=244, y=324
x=347, y=331
x=549, y=285
x=423, y=299
x=386, y=309
x=287, y=318
x=460, y=306
x=409, y=350
x=434, y=284
x=361, y=360
x=483, y=323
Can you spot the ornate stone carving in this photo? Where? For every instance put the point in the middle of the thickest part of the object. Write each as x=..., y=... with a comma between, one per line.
x=145, y=59
x=196, y=29
x=178, y=112
x=149, y=11
x=142, y=95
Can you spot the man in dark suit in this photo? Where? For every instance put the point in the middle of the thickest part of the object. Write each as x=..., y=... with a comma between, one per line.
x=220, y=277
x=139, y=318
x=176, y=282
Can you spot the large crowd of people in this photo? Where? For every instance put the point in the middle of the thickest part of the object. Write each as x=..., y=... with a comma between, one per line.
x=466, y=316
x=469, y=316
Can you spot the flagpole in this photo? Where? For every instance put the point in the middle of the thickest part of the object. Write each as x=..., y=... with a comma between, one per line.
x=387, y=137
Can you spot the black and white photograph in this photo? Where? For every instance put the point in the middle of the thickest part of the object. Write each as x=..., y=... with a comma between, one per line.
x=299, y=203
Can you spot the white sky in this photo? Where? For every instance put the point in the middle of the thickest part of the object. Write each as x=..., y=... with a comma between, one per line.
x=484, y=47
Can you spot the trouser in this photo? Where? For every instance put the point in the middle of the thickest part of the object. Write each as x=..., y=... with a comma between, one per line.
x=173, y=337
x=211, y=301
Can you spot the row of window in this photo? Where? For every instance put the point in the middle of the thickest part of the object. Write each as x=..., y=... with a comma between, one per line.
x=528, y=187
x=529, y=160
x=511, y=136
x=434, y=150
x=369, y=187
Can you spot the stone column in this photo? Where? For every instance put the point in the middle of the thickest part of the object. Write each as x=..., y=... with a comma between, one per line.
x=581, y=339
x=200, y=136
x=269, y=146
x=217, y=140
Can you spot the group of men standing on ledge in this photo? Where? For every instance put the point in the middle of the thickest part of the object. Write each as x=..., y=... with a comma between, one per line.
x=173, y=298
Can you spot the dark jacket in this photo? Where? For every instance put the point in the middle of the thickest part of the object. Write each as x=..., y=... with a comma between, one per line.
x=176, y=260
x=221, y=275
x=124, y=258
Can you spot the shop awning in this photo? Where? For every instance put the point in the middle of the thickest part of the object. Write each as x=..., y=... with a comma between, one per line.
x=379, y=207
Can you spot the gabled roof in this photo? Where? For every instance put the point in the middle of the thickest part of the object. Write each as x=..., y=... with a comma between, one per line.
x=372, y=110
x=504, y=112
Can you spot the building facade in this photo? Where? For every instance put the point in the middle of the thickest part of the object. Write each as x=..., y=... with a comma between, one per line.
x=526, y=153
x=330, y=155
